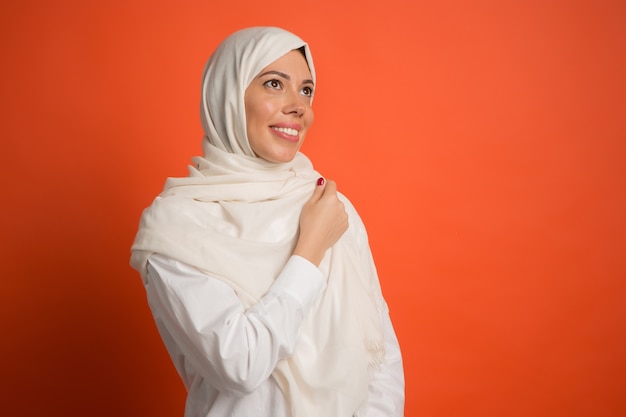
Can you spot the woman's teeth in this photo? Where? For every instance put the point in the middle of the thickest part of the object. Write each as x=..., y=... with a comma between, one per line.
x=287, y=130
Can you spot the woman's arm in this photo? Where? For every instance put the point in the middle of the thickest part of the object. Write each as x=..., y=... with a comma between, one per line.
x=234, y=349
x=386, y=388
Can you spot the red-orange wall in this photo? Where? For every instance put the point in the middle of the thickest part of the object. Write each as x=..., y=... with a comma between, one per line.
x=483, y=142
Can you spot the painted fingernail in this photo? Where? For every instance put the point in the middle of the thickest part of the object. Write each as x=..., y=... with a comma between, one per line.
x=320, y=181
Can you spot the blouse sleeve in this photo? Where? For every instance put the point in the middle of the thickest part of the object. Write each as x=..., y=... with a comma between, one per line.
x=234, y=349
x=386, y=388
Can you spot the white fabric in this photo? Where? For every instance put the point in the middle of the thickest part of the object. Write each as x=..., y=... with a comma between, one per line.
x=235, y=218
x=267, y=332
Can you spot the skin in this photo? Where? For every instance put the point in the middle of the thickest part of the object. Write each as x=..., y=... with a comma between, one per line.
x=280, y=97
x=322, y=222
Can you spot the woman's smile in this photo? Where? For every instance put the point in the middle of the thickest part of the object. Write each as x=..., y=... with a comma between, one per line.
x=278, y=108
x=287, y=132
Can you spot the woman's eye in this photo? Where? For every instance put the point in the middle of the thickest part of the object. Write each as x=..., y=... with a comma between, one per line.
x=275, y=84
x=307, y=91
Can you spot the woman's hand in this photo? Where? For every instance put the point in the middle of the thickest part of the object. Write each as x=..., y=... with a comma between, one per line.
x=322, y=222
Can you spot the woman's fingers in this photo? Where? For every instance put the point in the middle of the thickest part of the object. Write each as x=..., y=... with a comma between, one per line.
x=323, y=221
x=319, y=189
x=330, y=188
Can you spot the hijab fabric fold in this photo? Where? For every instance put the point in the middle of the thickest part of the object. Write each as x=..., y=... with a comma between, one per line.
x=236, y=216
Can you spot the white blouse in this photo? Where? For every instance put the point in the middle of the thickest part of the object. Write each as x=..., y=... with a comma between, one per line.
x=226, y=354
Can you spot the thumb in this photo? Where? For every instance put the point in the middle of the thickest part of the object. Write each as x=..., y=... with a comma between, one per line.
x=319, y=189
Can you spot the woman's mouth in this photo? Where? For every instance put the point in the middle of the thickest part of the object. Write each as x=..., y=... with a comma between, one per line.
x=289, y=134
x=286, y=130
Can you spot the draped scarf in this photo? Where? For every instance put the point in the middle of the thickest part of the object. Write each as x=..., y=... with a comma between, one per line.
x=235, y=217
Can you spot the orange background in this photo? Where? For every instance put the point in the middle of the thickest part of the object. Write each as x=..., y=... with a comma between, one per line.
x=483, y=144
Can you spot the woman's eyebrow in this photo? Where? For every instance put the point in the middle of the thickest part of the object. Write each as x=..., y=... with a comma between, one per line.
x=285, y=76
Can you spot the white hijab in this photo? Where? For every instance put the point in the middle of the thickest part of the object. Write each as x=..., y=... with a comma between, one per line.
x=236, y=218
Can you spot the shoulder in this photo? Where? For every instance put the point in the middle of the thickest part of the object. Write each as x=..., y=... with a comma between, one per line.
x=175, y=210
x=357, y=227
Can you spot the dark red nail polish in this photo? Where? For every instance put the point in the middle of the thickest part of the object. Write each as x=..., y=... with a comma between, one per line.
x=320, y=181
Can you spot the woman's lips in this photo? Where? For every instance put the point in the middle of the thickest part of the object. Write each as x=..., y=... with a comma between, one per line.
x=287, y=132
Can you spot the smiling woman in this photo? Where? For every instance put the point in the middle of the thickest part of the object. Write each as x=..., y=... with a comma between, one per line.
x=257, y=271
x=278, y=108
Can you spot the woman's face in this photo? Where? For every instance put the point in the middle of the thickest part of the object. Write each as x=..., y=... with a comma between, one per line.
x=278, y=108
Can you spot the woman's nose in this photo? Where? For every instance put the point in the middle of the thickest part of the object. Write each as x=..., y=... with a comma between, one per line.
x=298, y=109
x=294, y=105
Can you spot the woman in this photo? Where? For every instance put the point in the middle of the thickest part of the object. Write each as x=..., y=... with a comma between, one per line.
x=258, y=273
